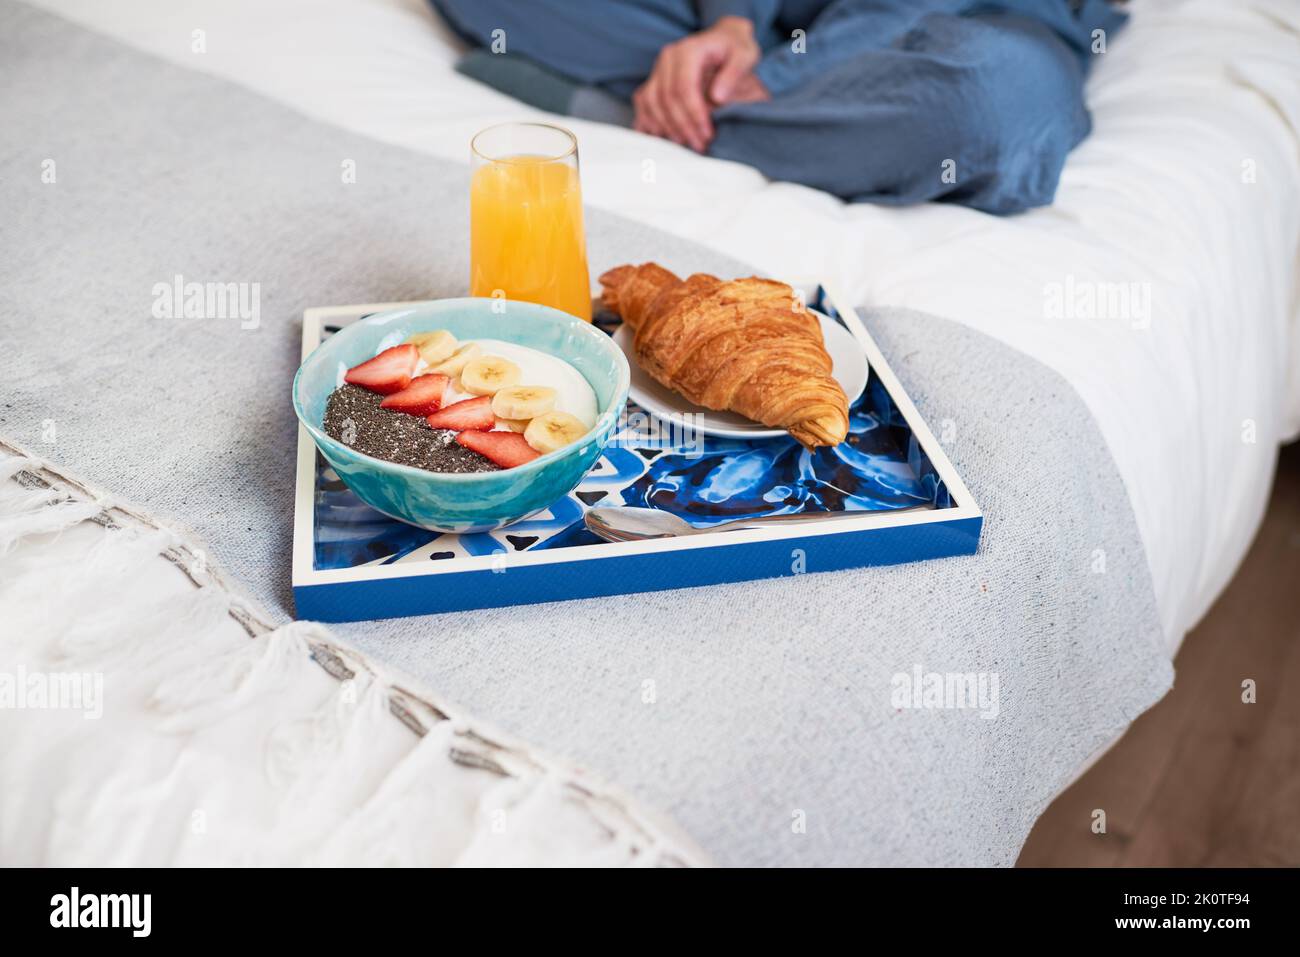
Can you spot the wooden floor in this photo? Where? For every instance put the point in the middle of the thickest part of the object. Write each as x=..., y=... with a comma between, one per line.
x=1203, y=779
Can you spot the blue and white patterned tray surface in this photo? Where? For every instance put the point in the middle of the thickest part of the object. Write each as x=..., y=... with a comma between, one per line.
x=879, y=467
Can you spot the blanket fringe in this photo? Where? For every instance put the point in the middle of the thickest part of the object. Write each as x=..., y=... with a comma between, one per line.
x=284, y=747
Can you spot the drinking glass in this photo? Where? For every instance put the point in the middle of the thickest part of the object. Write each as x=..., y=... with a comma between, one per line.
x=526, y=235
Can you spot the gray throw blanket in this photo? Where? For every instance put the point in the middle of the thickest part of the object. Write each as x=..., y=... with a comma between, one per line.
x=775, y=720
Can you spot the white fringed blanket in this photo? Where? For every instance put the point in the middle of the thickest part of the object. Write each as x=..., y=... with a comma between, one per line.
x=149, y=715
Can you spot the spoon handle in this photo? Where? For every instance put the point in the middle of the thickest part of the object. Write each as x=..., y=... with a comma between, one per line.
x=800, y=518
x=627, y=524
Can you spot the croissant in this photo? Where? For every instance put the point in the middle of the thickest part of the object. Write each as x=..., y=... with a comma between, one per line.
x=746, y=346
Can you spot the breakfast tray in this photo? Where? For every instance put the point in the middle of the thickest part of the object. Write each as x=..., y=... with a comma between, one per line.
x=900, y=498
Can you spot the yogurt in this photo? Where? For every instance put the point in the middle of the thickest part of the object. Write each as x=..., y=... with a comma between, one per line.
x=573, y=394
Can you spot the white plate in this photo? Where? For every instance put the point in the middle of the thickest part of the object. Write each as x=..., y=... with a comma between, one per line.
x=848, y=366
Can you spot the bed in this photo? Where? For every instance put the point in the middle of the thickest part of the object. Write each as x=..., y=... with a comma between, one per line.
x=1188, y=186
x=1180, y=215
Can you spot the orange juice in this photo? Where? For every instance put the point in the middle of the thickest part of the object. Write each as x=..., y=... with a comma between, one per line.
x=526, y=235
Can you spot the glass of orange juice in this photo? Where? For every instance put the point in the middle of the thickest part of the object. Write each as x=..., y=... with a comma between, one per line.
x=526, y=236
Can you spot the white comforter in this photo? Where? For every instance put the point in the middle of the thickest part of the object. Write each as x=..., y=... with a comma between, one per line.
x=1187, y=193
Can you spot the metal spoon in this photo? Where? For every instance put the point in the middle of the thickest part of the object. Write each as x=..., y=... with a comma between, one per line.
x=624, y=524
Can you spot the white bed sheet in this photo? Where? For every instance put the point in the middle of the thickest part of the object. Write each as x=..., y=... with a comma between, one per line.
x=1189, y=187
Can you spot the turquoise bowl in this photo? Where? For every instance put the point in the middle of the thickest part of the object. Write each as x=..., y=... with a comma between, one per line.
x=480, y=501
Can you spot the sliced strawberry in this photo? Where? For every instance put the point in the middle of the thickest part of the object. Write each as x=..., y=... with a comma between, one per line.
x=388, y=372
x=473, y=413
x=421, y=397
x=506, y=449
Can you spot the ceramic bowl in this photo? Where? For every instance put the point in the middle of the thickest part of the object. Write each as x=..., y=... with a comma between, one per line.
x=478, y=501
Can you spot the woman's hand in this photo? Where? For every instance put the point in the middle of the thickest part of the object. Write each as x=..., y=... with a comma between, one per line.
x=692, y=76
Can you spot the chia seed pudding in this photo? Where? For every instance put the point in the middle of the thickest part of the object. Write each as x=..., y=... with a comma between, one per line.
x=353, y=417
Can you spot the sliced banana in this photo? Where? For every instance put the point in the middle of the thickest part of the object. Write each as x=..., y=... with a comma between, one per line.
x=523, y=401
x=486, y=375
x=435, y=346
x=554, y=430
x=452, y=366
x=514, y=425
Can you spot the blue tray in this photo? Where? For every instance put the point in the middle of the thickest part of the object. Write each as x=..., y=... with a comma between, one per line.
x=353, y=563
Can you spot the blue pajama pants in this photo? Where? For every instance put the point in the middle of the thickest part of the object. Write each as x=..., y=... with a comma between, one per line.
x=979, y=108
